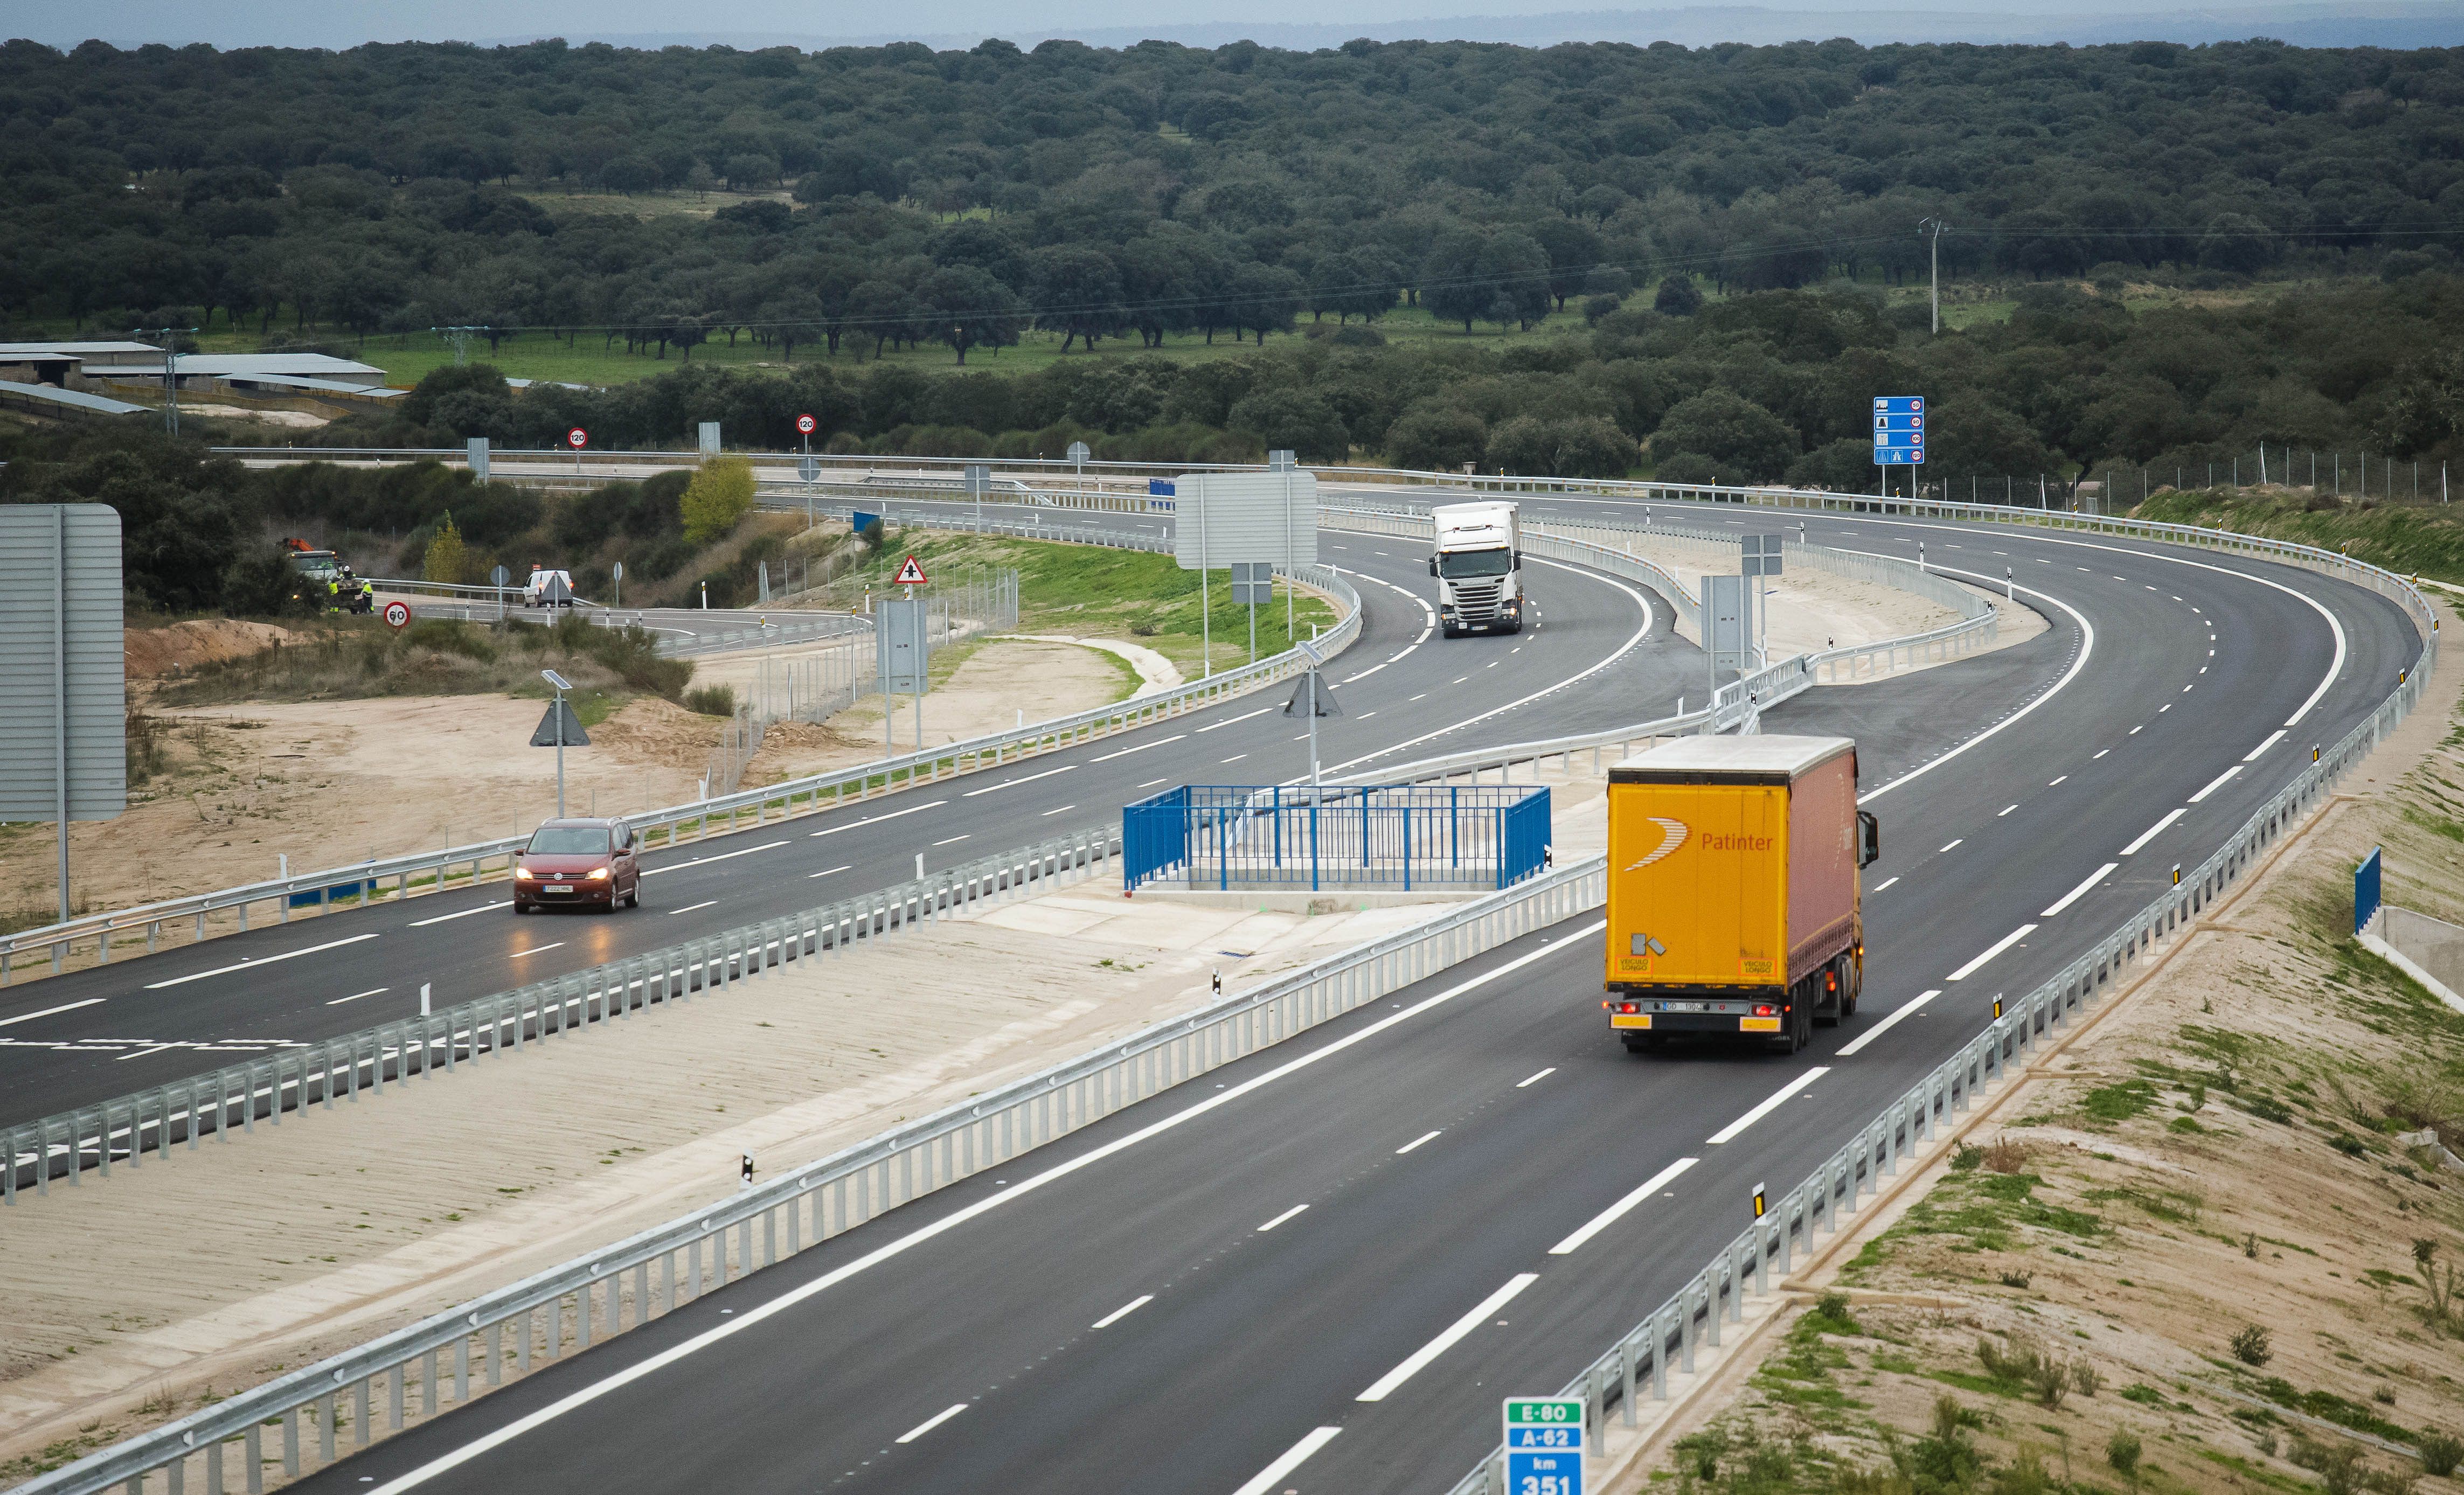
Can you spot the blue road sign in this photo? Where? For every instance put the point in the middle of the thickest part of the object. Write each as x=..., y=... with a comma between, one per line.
x=1899, y=429
x=1543, y=1446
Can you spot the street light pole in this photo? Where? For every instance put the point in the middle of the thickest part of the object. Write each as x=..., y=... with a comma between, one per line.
x=1936, y=227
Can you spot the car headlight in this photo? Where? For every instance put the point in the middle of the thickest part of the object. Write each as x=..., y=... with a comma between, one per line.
x=525, y=875
x=599, y=874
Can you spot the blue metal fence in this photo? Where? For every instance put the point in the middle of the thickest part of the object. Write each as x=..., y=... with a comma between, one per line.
x=1404, y=837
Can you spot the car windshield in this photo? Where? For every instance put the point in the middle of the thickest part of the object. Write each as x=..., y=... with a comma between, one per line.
x=569, y=840
x=1457, y=563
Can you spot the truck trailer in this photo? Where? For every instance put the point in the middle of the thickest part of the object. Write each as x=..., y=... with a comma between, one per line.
x=1733, y=888
x=1479, y=566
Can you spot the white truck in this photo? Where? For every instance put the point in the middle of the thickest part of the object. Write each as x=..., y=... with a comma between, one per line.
x=1478, y=567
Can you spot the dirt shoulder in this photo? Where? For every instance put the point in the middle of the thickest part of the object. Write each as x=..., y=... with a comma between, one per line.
x=2191, y=1251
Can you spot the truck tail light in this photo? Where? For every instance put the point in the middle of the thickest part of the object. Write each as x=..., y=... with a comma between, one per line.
x=1765, y=1010
x=1631, y=1006
x=1830, y=980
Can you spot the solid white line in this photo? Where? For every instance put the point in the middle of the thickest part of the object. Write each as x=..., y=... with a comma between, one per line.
x=1998, y=946
x=1280, y=1219
x=1225, y=722
x=250, y=965
x=767, y=845
x=1266, y=1479
x=690, y=906
x=29, y=1016
x=2087, y=647
x=1140, y=748
x=536, y=949
x=2079, y=892
x=1426, y=1136
x=2217, y=783
x=1779, y=1098
x=1618, y=1211
x=1007, y=782
x=445, y=918
x=1542, y=1075
x=356, y=996
x=1384, y=1386
x=1885, y=882
x=930, y=1423
x=2149, y=834
x=1124, y=1311
x=827, y=870
x=1905, y=1009
x=878, y=819
x=2273, y=738
x=617, y=1380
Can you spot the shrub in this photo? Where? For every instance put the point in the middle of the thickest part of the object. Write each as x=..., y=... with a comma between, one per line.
x=447, y=559
x=2439, y=1454
x=712, y=700
x=719, y=494
x=2251, y=1346
x=2005, y=1157
x=2122, y=1451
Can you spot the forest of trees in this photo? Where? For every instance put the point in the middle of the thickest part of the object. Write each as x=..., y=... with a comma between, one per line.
x=1163, y=190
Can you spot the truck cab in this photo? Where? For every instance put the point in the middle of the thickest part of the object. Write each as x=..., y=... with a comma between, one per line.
x=1479, y=565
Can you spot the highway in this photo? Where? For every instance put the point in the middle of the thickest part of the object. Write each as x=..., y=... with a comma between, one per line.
x=1320, y=1268
x=79, y=1038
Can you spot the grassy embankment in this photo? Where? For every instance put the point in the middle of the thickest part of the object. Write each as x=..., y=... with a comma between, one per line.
x=2201, y=1261
x=2425, y=539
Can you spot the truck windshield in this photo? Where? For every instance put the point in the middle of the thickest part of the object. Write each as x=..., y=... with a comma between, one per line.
x=1454, y=564
x=569, y=840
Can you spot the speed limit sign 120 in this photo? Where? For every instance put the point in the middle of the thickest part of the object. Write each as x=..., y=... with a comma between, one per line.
x=807, y=424
x=577, y=439
x=397, y=615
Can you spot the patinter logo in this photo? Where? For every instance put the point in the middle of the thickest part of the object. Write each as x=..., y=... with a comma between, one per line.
x=1736, y=842
x=1672, y=835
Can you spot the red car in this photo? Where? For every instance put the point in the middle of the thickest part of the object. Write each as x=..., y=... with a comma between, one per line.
x=577, y=861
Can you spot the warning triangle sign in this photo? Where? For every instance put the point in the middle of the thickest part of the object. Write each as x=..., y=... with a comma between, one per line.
x=910, y=574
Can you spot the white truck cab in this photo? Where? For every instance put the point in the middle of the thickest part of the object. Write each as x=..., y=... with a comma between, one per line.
x=1478, y=567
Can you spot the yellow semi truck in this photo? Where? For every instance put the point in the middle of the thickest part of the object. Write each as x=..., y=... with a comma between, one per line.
x=1733, y=888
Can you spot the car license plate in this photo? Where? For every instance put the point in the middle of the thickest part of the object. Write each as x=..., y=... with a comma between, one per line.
x=557, y=887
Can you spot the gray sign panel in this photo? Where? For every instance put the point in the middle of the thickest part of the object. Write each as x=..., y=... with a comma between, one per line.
x=1218, y=518
x=903, y=645
x=1253, y=583
x=1761, y=554
x=559, y=717
x=63, y=675
x=1728, y=621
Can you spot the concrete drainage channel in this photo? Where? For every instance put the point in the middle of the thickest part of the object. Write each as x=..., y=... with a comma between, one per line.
x=444, y=1361
x=219, y=1102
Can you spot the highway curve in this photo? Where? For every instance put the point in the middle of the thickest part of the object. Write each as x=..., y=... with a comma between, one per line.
x=1372, y=1208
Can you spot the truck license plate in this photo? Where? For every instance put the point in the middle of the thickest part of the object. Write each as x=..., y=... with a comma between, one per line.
x=1629, y=1020
x=558, y=887
x=1758, y=1025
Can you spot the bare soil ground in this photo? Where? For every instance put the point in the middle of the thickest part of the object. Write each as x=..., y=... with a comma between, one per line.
x=2191, y=1253
x=295, y=1242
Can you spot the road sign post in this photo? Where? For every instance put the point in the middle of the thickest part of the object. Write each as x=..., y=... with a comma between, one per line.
x=616, y=585
x=557, y=728
x=498, y=578
x=979, y=478
x=1253, y=581
x=907, y=647
x=1761, y=558
x=806, y=425
x=577, y=439
x=1543, y=1446
x=1899, y=434
x=397, y=615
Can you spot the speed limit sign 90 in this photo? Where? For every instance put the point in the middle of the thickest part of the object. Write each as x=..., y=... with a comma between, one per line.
x=807, y=424
x=397, y=615
x=577, y=439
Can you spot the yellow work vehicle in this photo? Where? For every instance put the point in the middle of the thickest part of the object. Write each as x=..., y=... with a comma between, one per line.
x=1732, y=899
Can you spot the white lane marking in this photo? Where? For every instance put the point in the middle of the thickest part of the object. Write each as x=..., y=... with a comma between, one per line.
x=2273, y=738
x=617, y=1380
x=1905, y=1009
x=827, y=870
x=859, y=825
x=2088, y=647
x=1779, y=1097
x=1954, y=842
x=2079, y=892
x=29, y=1016
x=1542, y=1075
x=1055, y=810
x=250, y=965
x=1007, y=782
x=1236, y=758
x=705, y=861
x=1996, y=949
x=1425, y=1136
x=536, y=949
x=465, y=914
x=1229, y=720
x=2101, y=751
x=1618, y=1211
x=2149, y=834
x=1280, y=1219
x=1292, y=1458
x=1453, y=1334
x=1152, y=783
x=1885, y=882
x=930, y=1423
x=356, y=996
x=2217, y=783
x=951, y=841
x=692, y=906
x=1123, y=1312
x=1423, y=697
x=2056, y=781
x=2005, y=810
x=2142, y=727
x=1364, y=716
x=1140, y=748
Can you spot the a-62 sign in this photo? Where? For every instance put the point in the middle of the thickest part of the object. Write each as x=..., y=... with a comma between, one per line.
x=1543, y=1446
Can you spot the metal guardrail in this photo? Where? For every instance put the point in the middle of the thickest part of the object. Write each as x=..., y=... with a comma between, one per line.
x=1644, y=1353
x=431, y=869
x=300, y=1075
x=418, y=1372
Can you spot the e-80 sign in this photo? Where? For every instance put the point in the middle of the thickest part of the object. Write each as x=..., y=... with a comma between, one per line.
x=1543, y=1446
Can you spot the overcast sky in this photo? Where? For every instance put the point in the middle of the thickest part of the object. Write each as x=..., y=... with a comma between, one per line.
x=1300, y=23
